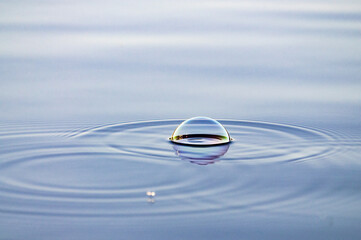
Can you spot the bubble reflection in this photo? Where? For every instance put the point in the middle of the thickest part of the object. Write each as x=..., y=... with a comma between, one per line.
x=200, y=155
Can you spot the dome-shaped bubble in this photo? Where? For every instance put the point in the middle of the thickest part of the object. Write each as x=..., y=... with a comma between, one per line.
x=200, y=131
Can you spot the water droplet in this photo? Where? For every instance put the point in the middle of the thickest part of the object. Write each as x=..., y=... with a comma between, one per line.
x=200, y=131
x=150, y=194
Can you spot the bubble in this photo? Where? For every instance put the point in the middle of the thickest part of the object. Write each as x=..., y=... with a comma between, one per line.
x=200, y=131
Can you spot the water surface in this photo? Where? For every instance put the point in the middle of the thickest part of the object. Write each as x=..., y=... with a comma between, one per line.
x=91, y=91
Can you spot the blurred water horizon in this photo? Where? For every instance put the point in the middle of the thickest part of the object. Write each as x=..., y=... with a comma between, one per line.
x=124, y=61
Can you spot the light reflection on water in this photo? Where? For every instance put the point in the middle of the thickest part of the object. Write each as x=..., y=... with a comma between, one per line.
x=72, y=73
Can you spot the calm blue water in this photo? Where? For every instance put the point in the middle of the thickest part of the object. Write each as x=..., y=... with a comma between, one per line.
x=92, y=90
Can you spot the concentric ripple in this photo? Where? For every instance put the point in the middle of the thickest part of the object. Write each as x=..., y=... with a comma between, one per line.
x=255, y=142
x=107, y=171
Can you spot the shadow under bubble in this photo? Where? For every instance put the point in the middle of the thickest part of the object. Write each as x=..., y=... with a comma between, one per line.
x=200, y=155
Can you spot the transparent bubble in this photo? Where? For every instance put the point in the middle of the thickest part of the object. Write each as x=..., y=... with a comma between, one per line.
x=200, y=131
